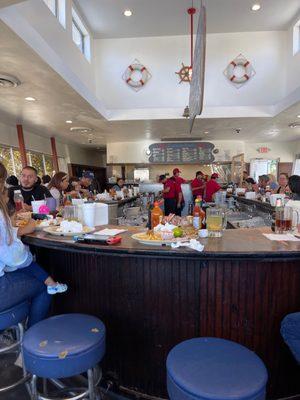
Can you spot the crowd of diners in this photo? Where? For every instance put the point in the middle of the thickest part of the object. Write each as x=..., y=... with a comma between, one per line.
x=60, y=186
x=206, y=187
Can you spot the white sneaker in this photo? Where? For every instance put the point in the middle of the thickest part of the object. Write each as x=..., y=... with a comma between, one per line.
x=58, y=288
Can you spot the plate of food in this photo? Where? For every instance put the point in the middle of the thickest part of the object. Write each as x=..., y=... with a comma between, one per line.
x=40, y=224
x=68, y=229
x=165, y=237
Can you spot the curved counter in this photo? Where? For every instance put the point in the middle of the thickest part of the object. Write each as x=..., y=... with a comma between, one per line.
x=150, y=298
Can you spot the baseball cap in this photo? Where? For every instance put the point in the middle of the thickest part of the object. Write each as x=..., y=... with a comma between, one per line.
x=215, y=176
x=88, y=175
x=176, y=171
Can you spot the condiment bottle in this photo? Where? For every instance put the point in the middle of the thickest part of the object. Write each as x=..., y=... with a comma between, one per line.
x=279, y=216
x=18, y=200
x=198, y=214
x=156, y=215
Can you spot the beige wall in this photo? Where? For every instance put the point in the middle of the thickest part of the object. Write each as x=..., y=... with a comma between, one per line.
x=71, y=153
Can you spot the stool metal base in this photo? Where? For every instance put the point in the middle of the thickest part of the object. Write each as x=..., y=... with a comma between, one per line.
x=91, y=392
x=19, y=331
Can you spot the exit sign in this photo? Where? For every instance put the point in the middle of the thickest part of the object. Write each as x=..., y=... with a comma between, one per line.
x=263, y=150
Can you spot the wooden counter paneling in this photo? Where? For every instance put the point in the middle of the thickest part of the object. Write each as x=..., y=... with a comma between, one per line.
x=150, y=299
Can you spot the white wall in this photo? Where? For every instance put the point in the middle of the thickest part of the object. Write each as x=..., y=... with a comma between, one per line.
x=134, y=152
x=163, y=56
x=292, y=61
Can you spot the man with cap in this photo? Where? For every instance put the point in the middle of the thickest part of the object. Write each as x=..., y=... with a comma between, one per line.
x=178, y=178
x=212, y=187
x=198, y=185
x=179, y=181
x=171, y=194
x=86, y=180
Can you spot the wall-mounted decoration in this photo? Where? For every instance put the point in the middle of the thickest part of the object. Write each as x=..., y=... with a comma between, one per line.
x=185, y=73
x=239, y=71
x=263, y=150
x=181, y=153
x=136, y=75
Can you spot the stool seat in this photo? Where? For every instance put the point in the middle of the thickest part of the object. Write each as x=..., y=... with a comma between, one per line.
x=214, y=369
x=14, y=315
x=64, y=345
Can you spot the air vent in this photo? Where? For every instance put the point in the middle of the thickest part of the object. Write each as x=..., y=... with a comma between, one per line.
x=80, y=129
x=8, y=81
x=181, y=139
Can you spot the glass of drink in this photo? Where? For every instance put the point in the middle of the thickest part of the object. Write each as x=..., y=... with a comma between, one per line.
x=216, y=221
x=70, y=213
x=291, y=219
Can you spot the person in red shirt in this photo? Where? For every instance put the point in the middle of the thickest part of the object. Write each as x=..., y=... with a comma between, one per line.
x=212, y=187
x=169, y=194
x=179, y=181
x=198, y=185
x=178, y=178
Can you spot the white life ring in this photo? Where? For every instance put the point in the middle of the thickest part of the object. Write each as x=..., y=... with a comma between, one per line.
x=128, y=75
x=247, y=71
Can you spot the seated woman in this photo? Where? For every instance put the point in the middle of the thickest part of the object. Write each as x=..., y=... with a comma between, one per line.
x=58, y=185
x=20, y=278
x=294, y=202
x=283, y=184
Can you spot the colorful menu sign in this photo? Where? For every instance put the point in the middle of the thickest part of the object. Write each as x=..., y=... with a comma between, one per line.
x=181, y=153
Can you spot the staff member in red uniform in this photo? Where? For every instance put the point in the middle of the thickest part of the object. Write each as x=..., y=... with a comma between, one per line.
x=169, y=194
x=198, y=185
x=179, y=181
x=212, y=187
x=178, y=178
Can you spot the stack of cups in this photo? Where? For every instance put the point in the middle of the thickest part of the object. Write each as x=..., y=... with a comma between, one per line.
x=89, y=214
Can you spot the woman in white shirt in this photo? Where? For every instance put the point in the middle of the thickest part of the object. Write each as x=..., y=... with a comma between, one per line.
x=58, y=184
x=20, y=277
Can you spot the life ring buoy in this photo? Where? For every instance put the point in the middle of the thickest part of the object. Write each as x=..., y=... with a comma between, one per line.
x=247, y=71
x=130, y=70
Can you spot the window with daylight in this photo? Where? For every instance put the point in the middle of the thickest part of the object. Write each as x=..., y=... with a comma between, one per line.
x=81, y=35
x=296, y=38
x=58, y=9
x=52, y=5
x=11, y=158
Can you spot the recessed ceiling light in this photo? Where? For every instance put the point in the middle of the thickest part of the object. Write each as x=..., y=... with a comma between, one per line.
x=30, y=98
x=69, y=121
x=298, y=116
x=206, y=132
x=256, y=7
x=128, y=13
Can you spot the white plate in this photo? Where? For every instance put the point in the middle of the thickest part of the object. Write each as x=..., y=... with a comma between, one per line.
x=137, y=237
x=52, y=230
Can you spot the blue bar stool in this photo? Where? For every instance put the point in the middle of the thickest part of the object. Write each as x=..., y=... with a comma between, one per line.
x=12, y=319
x=290, y=331
x=64, y=346
x=215, y=369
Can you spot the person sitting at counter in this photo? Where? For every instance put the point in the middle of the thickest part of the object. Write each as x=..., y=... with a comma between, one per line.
x=251, y=185
x=294, y=202
x=263, y=183
x=86, y=181
x=58, y=185
x=46, y=180
x=198, y=185
x=119, y=185
x=273, y=182
x=212, y=187
x=12, y=181
x=283, y=184
x=18, y=285
x=29, y=187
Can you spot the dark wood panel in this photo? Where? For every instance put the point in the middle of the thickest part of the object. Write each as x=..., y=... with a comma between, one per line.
x=149, y=304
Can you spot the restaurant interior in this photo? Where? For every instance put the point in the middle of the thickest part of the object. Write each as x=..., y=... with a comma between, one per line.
x=149, y=199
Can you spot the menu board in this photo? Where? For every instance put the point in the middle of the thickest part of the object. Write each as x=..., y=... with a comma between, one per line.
x=181, y=153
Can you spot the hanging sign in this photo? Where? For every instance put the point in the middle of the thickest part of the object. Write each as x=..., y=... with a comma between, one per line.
x=182, y=153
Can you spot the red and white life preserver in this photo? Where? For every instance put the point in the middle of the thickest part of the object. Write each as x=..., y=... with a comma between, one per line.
x=239, y=63
x=130, y=70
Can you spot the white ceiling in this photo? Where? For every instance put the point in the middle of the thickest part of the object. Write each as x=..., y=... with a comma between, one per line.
x=169, y=17
x=58, y=102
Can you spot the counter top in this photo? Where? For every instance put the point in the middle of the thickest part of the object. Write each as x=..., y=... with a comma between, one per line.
x=239, y=243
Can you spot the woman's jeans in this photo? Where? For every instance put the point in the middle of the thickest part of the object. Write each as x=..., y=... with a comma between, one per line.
x=26, y=284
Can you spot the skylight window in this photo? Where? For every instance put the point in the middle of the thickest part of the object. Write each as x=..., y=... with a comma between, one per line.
x=296, y=38
x=81, y=35
x=52, y=5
